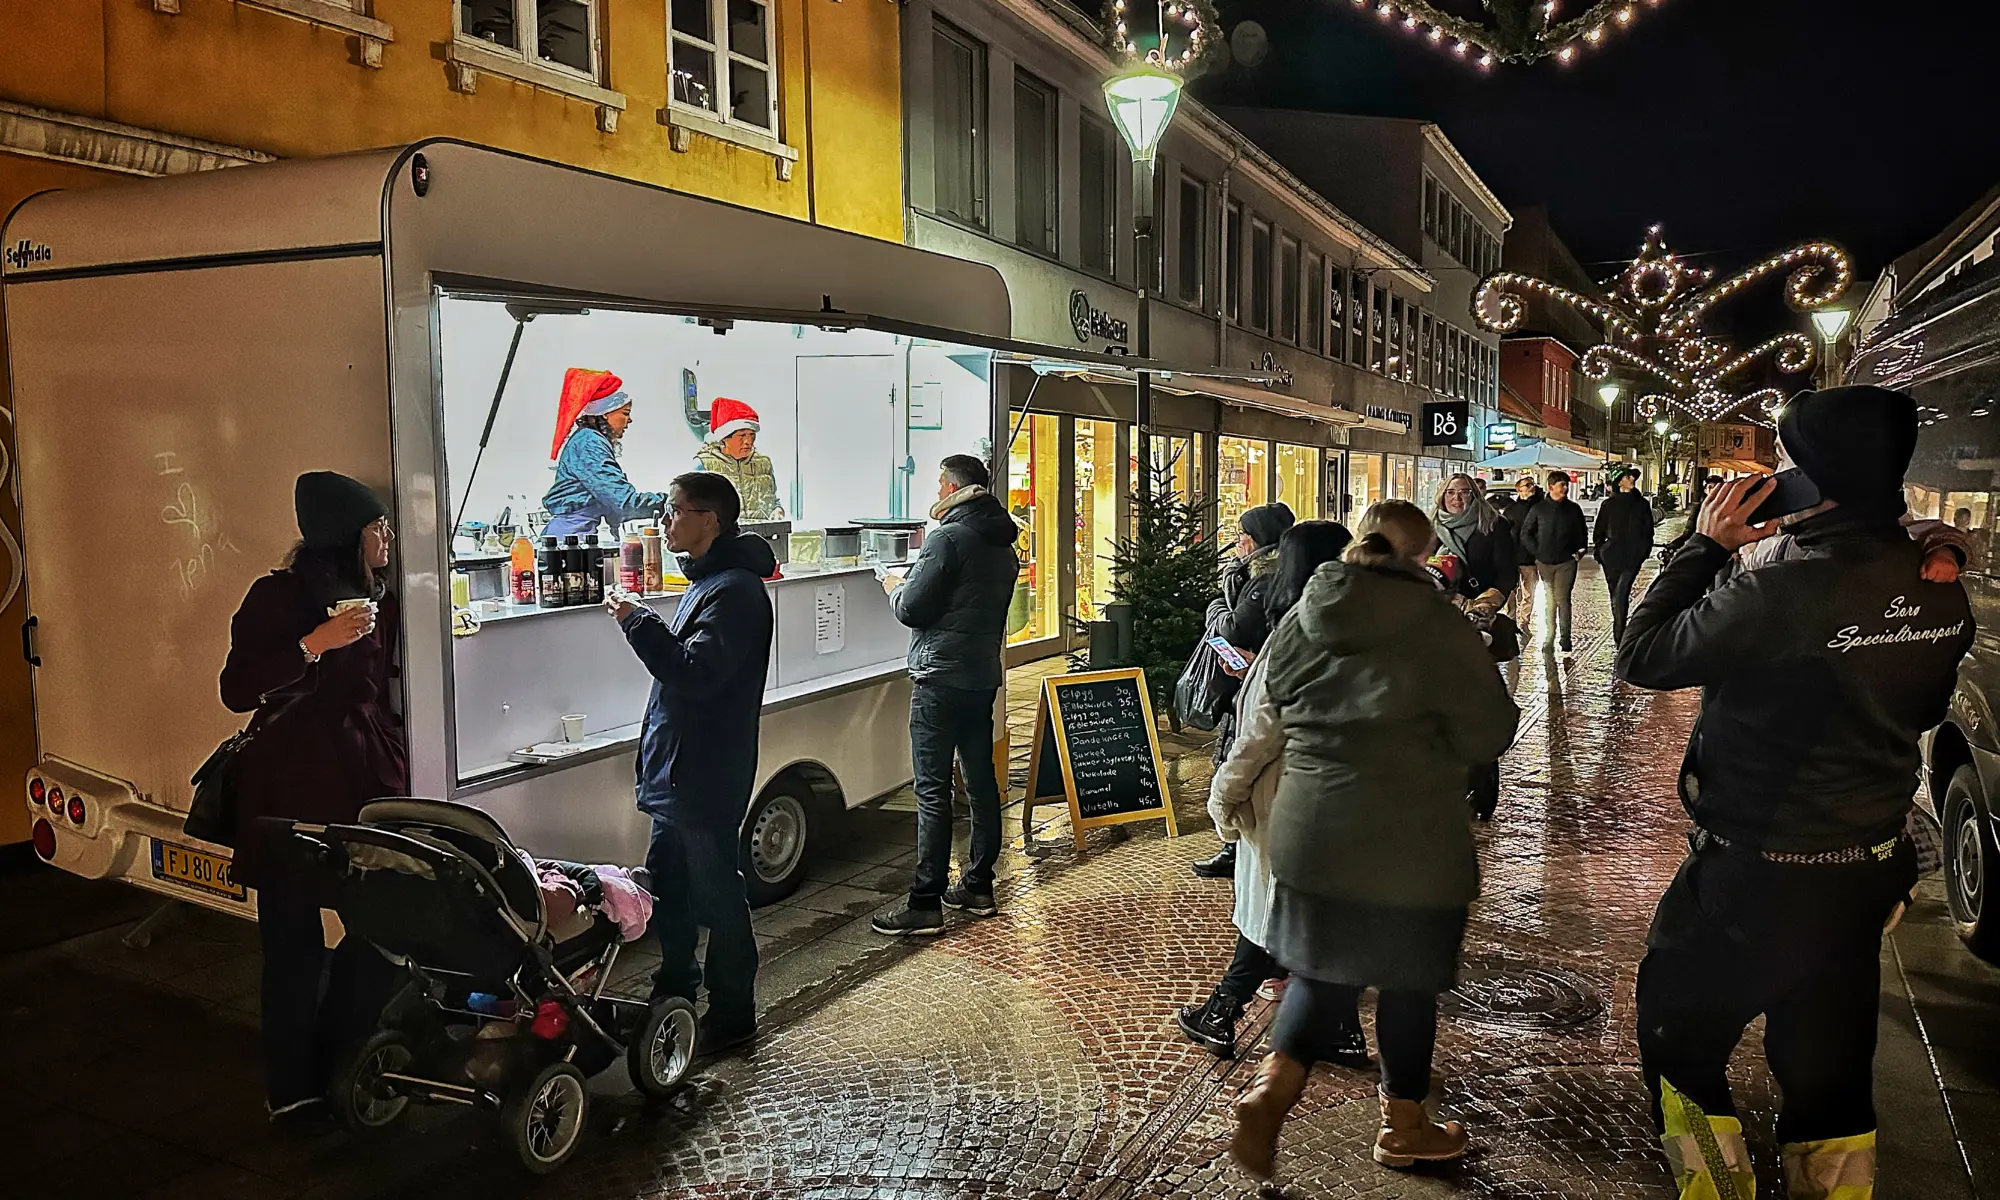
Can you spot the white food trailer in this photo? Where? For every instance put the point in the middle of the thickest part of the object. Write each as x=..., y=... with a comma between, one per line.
x=180, y=350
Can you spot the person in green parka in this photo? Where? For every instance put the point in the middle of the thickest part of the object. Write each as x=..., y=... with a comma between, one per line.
x=1388, y=698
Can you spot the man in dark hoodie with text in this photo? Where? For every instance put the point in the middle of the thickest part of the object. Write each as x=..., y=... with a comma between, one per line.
x=956, y=599
x=698, y=749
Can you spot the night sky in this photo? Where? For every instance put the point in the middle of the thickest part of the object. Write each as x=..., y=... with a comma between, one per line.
x=1742, y=125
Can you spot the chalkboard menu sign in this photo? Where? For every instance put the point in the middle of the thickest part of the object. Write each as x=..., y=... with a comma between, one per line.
x=1096, y=746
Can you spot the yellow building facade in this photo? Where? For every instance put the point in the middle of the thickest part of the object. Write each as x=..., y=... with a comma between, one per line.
x=788, y=106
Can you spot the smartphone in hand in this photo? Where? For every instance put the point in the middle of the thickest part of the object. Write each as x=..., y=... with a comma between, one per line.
x=1794, y=493
x=1229, y=654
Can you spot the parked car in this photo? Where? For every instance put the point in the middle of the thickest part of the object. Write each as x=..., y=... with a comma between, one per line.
x=1943, y=347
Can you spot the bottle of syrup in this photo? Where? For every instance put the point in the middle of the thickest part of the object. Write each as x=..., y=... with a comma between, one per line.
x=593, y=570
x=549, y=575
x=575, y=590
x=521, y=570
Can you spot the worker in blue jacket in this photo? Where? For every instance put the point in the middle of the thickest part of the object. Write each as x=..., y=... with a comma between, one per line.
x=591, y=488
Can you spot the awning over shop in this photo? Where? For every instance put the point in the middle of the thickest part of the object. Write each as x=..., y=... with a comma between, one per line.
x=1735, y=466
x=1546, y=455
x=1238, y=388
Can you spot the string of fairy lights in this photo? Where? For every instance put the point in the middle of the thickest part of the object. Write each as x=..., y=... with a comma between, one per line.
x=1514, y=31
x=1652, y=323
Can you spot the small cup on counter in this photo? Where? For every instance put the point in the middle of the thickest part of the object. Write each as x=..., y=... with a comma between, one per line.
x=572, y=727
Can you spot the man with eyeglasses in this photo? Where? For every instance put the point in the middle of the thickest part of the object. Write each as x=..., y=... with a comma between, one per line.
x=698, y=750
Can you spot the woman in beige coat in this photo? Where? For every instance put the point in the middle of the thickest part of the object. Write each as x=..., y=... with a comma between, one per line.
x=1240, y=799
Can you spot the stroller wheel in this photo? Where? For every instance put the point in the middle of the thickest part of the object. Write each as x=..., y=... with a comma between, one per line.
x=662, y=1047
x=366, y=1102
x=544, y=1120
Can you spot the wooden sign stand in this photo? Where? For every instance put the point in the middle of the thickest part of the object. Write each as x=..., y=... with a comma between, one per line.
x=1049, y=718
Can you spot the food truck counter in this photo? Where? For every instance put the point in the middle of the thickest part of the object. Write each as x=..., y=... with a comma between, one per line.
x=527, y=668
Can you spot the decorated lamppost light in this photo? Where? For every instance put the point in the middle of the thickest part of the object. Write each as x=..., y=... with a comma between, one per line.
x=1831, y=323
x=1141, y=96
x=1653, y=324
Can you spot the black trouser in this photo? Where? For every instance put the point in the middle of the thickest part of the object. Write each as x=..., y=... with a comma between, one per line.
x=1313, y=1012
x=1736, y=936
x=698, y=884
x=1621, y=580
x=948, y=722
x=1251, y=966
x=311, y=1013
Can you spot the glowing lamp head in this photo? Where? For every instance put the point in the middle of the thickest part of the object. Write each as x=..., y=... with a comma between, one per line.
x=1659, y=427
x=1609, y=393
x=1831, y=323
x=1142, y=99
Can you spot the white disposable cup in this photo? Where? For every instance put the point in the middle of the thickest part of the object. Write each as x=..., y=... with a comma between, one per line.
x=572, y=727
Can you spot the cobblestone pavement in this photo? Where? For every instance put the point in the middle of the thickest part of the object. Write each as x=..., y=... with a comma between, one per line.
x=1035, y=1055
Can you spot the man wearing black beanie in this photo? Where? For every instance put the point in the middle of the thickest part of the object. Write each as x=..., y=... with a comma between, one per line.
x=1819, y=673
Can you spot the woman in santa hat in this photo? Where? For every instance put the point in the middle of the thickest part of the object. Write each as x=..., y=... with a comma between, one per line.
x=590, y=486
x=732, y=453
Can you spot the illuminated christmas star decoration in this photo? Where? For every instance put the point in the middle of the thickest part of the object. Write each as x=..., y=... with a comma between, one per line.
x=1652, y=322
x=1513, y=31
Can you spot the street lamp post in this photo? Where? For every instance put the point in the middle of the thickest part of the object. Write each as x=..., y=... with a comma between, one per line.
x=1660, y=459
x=1831, y=323
x=1142, y=99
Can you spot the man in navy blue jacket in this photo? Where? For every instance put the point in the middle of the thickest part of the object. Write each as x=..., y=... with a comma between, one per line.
x=698, y=750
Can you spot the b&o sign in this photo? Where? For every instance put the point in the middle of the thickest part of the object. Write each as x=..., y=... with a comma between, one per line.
x=1447, y=423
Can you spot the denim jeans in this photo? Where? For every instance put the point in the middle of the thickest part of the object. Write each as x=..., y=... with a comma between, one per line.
x=1313, y=1011
x=1621, y=581
x=947, y=722
x=697, y=884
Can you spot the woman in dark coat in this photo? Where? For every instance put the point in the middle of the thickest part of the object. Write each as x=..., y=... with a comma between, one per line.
x=1482, y=540
x=1623, y=539
x=1239, y=617
x=320, y=674
x=1387, y=698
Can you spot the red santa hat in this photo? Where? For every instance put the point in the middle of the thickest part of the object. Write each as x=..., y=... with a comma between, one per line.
x=728, y=416
x=581, y=388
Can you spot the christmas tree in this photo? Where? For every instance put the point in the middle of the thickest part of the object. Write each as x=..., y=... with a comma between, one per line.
x=1166, y=574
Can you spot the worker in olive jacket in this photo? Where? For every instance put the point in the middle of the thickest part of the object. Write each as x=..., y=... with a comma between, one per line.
x=956, y=599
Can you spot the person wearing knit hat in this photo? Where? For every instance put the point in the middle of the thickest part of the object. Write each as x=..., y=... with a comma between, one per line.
x=731, y=451
x=591, y=488
x=1820, y=672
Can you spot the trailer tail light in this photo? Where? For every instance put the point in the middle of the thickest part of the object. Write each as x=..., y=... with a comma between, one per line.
x=45, y=840
x=38, y=792
x=56, y=800
x=76, y=810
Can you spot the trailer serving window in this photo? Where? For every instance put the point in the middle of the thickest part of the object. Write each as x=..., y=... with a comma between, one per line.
x=846, y=425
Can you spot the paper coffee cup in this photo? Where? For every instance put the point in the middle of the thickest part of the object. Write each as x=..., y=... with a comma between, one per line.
x=572, y=727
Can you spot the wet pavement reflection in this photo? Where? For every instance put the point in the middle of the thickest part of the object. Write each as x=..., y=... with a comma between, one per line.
x=1035, y=1055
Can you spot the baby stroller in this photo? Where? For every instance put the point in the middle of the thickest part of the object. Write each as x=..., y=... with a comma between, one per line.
x=493, y=1012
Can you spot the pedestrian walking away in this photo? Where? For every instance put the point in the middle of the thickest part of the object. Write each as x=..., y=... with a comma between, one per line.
x=1387, y=698
x=698, y=750
x=1555, y=535
x=1238, y=616
x=1239, y=801
x=312, y=651
x=1623, y=541
x=1819, y=673
x=955, y=599
x=1515, y=508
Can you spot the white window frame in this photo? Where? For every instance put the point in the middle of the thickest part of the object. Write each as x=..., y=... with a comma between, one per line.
x=725, y=59
x=527, y=18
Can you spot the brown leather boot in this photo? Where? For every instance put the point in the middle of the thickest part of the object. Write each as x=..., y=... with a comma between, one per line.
x=1260, y=1113
x=1409, y=1135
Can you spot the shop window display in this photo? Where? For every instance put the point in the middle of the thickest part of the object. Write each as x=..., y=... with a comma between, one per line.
x=1430, y=481
x=1034, y=496
x=1366, y=482
x=1299, y=480
x=1243, y=479
x=1402, y=477
x=1097, y=492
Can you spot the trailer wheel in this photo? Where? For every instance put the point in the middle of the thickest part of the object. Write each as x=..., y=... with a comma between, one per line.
x=777, y=840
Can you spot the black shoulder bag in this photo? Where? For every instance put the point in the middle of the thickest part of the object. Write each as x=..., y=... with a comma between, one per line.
x=212, y=815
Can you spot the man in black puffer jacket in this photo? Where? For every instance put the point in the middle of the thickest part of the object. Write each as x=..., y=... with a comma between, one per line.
x=956, y=599
x=1818, y=672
